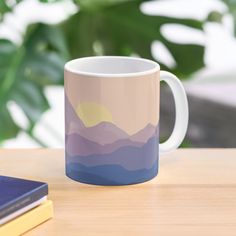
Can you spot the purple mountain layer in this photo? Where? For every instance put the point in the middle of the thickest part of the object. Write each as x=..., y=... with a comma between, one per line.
x=104, y=132
x=128, y=157
x=78, y=145
x=143, y=135
x=72, y=121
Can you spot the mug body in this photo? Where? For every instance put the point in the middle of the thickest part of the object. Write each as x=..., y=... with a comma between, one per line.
x=111, y=120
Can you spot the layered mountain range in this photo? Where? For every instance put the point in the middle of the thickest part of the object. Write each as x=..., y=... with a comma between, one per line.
x=102, y=138
x=105, y=147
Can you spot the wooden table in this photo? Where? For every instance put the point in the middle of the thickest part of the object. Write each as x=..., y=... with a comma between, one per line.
x=194, y=194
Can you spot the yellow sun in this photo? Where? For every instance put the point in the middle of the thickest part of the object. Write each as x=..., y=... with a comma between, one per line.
x=93, y=113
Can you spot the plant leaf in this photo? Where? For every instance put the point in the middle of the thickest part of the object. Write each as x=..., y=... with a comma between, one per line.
x=7, y=6
x=26, y=70
x=8, y=128
x=232, y=10
x=122, y=29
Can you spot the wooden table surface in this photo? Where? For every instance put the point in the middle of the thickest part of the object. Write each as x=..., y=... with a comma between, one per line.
x=194, y=194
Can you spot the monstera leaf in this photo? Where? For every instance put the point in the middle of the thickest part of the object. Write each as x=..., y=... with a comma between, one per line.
x=7, y=6
x=24, y=72
x=101, y=27
x=120, y=28
x=232, y=10
x=4, y=7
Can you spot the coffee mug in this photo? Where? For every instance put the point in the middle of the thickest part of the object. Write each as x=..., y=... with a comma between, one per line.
x=112, y=119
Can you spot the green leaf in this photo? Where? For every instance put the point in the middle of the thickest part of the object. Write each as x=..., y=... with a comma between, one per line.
x=31, y=99
x=215, y=16
x=80, y=34
x=8, y=128
x=101, y=27
x=49, y=1
x=232, y=10
x=7, y=6
x=91, y=5
x=26, y=70
x=4, y=8
x=189, y=58
x=7, y=53
x=122, y=29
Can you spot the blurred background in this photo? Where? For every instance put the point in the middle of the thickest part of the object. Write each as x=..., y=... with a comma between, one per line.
x=195, y=39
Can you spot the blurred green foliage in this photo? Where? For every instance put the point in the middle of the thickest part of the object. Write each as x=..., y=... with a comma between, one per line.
x=102, y=27
x=232, y=10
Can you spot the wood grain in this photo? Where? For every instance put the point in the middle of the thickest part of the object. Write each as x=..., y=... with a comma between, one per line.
x=193, y=194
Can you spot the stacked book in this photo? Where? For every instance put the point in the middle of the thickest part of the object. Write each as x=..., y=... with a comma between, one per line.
x=23, y=205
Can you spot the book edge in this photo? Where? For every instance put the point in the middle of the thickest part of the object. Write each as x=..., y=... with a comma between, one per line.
x=21, y=211
x=34, y=195
x=29, y=220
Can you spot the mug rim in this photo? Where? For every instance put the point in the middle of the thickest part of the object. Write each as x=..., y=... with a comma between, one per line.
x=155, y=67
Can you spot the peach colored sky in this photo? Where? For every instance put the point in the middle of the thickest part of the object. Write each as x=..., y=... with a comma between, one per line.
x=133, y=102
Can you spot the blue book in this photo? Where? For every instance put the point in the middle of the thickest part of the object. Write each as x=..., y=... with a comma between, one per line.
x=16, y=194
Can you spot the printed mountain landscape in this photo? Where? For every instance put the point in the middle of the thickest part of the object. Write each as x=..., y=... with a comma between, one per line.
x=106, y=155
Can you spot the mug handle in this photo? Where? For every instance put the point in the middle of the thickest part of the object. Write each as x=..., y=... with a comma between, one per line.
x=181, y=111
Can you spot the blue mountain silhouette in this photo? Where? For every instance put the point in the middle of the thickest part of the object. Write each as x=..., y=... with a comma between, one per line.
x=117, y=174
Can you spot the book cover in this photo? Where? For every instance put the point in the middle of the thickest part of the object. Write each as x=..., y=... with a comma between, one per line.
x=16, y=194
x=28, y=221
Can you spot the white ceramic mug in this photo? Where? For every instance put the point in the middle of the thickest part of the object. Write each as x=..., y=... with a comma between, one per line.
x=112, y=119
